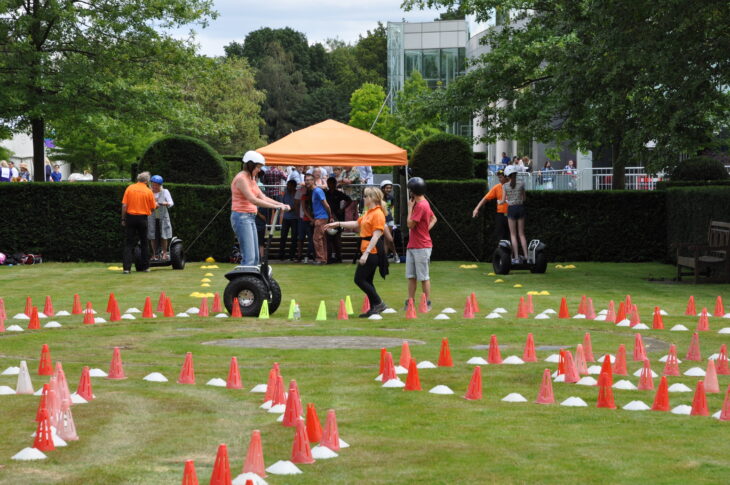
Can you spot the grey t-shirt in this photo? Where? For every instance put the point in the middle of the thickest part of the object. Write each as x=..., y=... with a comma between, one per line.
x=516, y=195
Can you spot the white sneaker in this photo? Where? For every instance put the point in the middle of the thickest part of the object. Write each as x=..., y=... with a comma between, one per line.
x=515, y=260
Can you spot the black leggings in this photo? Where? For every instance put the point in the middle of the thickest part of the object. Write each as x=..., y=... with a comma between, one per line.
x=135, y=230
x=501, y=226
x=364, y=278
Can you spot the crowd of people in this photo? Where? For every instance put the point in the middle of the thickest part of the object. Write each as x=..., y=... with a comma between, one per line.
x=10, y=173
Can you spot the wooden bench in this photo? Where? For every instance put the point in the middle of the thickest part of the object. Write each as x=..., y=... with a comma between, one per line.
x=709, y=260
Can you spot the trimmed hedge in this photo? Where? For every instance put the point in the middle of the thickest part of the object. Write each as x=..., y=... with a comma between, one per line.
x=443, y=157
x=455, y=201
x=691, y=210
x=481, y=169
x=185, y=160
x=700, y=168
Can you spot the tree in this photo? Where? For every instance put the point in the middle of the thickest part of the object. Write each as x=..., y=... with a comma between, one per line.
x=367, y=104
x=414, y=119
x=77, y=57
x=371, y=53
x=616, y=76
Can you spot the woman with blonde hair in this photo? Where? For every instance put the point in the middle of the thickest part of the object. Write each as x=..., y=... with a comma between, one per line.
x=370, y=226
x=5, y=173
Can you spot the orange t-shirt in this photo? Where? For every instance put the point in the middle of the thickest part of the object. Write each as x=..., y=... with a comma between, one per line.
x=139, y=200
x=239, y=202
x=496, y=192
x=373, y=220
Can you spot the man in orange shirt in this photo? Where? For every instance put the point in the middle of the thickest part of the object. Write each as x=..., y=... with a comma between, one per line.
x=138, y=203
x=500, y=217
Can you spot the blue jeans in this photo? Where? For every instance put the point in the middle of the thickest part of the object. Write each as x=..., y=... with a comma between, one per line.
x=244, y=225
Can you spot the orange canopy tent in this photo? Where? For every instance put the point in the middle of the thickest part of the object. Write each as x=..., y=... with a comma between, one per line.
x=333, y=143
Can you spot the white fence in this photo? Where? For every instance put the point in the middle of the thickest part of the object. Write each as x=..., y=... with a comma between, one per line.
x=585, y=179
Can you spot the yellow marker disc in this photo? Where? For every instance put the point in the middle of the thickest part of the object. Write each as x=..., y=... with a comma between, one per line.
x=205, y=280
x=517, y=285
x=499, y=280
x=544, y=292
x=210, y=259
x=208, y=274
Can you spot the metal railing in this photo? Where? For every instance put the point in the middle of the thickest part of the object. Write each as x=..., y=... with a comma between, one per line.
x=636, y=178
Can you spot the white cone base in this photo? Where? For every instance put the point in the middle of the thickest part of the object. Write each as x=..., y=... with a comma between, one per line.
x=724, y=330
x=394, y=383
x=664, y=359
x=636, y=406
x=97, y=373
x=216, y=382
x=375, y=317
x=514, y=360
x=542, y=316
x=400, y=370
x=182, y=315
x=594, y=370
x=678, y=328
x=448, y=310
x=53, y=324
x=587, y=381
x=574, y=402
x=514, y=397
x=624, y=385
x=578, y=316
x=76, y=399
x=258, y=388
x=127, y=316
x=426, y=364
x=193, y=310
x=267, y=405
x=282, y=467
x=155, y=377
x=695, y=372
x=244, y=477
x=682, y=409
x=638, y=373
x=441, y=389
x=277, y=409
x=343, y=444
x=11, y=371
x=493, y=315
x=221, y=315
x=14, y=328
x=62, y=313
x=477, y=361
x=679, y=387
x=6, y=391
x=441, y=316
x=323, y=453
x=29, y=454
x=641, y=326
x=133, y=310
x=499, y=310
x=600, y=318
x=553, y=358
x=388, y=311
x=21, y=316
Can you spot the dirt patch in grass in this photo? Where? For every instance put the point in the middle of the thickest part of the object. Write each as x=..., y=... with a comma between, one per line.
x=313, y=342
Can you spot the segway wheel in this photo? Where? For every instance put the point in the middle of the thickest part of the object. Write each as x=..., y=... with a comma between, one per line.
x=138, y=258
x=275, y=300
x=177, y=256
x=540, y=265
x=250, y=291
x=501, y=262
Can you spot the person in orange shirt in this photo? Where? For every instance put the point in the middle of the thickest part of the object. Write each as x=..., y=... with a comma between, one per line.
x=138, y=203
x=501, y=228
x=371, y=226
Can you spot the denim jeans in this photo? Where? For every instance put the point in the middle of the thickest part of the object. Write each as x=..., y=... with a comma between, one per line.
x=244, y=225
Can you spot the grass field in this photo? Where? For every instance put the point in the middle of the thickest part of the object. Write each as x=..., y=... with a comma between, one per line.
x=137, y=432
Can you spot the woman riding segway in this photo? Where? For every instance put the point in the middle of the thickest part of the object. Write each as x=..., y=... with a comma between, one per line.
x=514, y=196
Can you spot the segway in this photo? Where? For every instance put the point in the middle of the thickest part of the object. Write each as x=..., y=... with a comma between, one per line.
x=536, y=258
x=175, y=251
x=254, y=284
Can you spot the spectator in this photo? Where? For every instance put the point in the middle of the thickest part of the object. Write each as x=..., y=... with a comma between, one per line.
x=160, y=217
x=418, y=254
x=305, y=230
x=366, y=174
x=87, y=176
x=546, y=176
x=505, y=159
x=296, y=175
x=289, y=221
x=501, y=227
x=5, y=173
x=519, y=164
x=515, y=159
x=514, y=196
x=386, y=186
x=527, y=163
x=571, y=172
x=348, y=179
x=273, y=178
x=322, y=215
x=14, y=174
x=246, y=197
x=320, y=179
x=138, y=203
x=337, y=173
x=370, y=227
x=24, y=175
x=56, y=175
x=337, y=200
x=48, y=170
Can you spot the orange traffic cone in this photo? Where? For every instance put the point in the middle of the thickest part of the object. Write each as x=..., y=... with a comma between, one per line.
x=221, y=469
x=3, y=315
x=639, y=350
x=48, y=307
x=301, y=453
x=605, y=393
x=271, y=382
x=619, y=367
x=528, y=355
x=203, y=311
x=410, y=310
x=234, y=376
x=116, y=369
x=621, y=313
x=691, y=310
x=545, y=396
x=423, y=305
x=611, y=313
x=64, y=393
x=725, y=412
x=161, y=302
x=342, y=311
x=115, y=315
x=382, y=361
x=45, y=366
x=2, y=322
x=236, y=309
x=703, y=324
x=711, y=384
x=43, y=439
x=187, y=373
x=293, y=410
x=582, y=305
x=563, y=313
x=84, y=388
x=445, y=354
x=217, y=307
x=189, y=475
x=405, y=355
x=147, y=310
x=314, y=428
x=168, y=311
x=634, y=317
x=646, y=381
x=330, y=435
x=699, y=402
x=661, y=399
x=474, y=302
x=255, y=456
x=28, y=306
x=365, y=304
x=43, y=402
x=494, y=356
x=606, y=370
x=561, y=363
x=588, y=348
x=671, y=366
x=468, y=310
x=413, y=383
x=34, y=323
x=694, y=349
x=530, y=306
x=474, y=391
x=88, y=314
x=66, y=425
x=279, y=392
x=657, y=323
x=571, y=371
x=388, y=368
x=628, y=302
x=590, y=311
x=722, y=362
x=719, y=307
x=110, y=302
x=580, y=360
x=76, y=309
x=522, y=309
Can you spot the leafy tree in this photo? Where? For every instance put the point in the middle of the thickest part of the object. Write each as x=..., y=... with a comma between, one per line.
x=371, y=53
x=368, y=104
x=616, y=75
x=69, y=58
x=414, y=119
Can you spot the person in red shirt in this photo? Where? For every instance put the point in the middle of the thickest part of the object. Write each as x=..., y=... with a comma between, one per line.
x=501, y=228
x=138, y=203
x=418, y=253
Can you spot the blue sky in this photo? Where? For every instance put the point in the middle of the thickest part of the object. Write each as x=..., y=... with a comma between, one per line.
x=318, y=19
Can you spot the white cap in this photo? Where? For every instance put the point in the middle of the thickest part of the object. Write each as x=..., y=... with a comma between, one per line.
x=255, y=157
x=385, y=182
x=509, y=170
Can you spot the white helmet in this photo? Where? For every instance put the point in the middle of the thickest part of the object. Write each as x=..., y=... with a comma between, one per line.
x=255, y=157
x=509, y=170
x=385, y=182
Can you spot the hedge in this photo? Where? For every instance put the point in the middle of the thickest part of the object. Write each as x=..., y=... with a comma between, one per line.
x=700, y=168
x=443, y=157
x=184, y=159
x=691, y=210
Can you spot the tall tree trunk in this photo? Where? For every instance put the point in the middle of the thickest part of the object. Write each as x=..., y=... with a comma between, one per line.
x=38, y=127
x=618, y=162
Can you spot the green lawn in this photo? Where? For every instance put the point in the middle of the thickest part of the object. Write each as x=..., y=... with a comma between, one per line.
x=139, y=432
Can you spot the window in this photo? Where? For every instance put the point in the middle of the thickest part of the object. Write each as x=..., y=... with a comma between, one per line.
x=431, y=64
x=413, y=62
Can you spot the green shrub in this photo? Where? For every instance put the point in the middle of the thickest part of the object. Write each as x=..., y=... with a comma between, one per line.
x=183, y=159
x=699, y=168
x=443, y=157
x=480, y=155
x=690, y=211
x=481, y=169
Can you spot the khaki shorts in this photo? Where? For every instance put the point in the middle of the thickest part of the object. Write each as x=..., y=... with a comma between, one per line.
x=417, y=261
